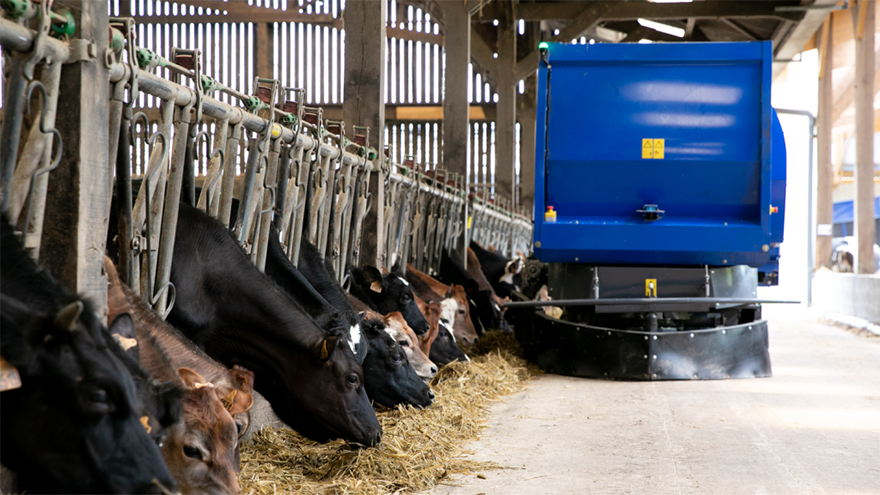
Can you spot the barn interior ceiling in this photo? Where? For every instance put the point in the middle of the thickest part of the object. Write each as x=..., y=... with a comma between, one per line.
x=789, y=23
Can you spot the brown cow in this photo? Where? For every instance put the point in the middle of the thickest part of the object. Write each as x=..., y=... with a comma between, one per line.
x=432, y=314
x=396, y=327
x=453, y=302
x=442, y=347
x=201, y=451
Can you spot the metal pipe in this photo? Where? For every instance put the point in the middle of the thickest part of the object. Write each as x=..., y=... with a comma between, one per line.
x=811, y=238
x=618, y=301
x=172, y=206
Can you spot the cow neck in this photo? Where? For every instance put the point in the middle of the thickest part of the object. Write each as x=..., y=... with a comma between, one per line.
x=179, y=351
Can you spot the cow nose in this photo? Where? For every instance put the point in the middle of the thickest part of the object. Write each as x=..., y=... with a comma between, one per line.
x=433, y=370
x=430, y=394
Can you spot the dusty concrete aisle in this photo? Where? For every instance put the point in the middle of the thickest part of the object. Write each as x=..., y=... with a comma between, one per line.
x=814, y=428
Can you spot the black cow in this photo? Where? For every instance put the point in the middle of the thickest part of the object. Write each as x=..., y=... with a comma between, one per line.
x=240, y=317
x=485, y=312
x=505, y=275
x=75, y=424
x=388, y=377
x=387, y=293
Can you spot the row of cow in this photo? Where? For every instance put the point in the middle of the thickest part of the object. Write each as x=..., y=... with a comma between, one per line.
x=153, y=406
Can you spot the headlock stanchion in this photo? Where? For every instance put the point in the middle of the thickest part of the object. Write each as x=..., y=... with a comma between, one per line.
x=299, y=171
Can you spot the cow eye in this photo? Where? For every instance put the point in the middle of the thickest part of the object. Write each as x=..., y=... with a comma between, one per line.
x=193, y=452
x=352, y=379
x=461, y=311
x=396, y=359
x=98, y=397
x=403, y=343
x=238, y=427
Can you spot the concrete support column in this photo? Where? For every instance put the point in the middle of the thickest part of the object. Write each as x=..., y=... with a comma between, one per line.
x=364, y=104
x=456, y=123
x=863, y=218
x=505, y=121
x=77, y=203
x=825, y=173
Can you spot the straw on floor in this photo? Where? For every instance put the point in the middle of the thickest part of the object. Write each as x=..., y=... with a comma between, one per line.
x=419, y=448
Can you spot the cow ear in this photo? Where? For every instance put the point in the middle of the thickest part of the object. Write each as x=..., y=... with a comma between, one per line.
x=242, y=379
x=124, y=333
x=396, y=269
x=450, y=292
x=66, y=318
x=373, y=277
x=371, y=273
x=325, y=348
x=239, y=397
x=192, y=379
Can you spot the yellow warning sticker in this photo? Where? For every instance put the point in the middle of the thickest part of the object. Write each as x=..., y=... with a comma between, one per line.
x=659, y=145
x=650, y=287
x=647, y=148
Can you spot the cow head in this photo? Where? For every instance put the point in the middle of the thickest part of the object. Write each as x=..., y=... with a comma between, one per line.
x=389, y=377
x=391, y=292
x=485, y=313
x=200, y=450
x=456, y=313
x=321, y=394
x=396, y=327
x=445, y=349
x=74, y=425
x=512, y=269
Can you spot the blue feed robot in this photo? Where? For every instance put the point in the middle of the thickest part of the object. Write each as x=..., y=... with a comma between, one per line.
x=659, y=205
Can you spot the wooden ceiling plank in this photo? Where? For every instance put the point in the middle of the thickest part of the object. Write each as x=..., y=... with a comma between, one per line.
x=739, y=29
x=634, y=10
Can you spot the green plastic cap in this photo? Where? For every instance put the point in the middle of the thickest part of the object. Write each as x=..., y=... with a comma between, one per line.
x=543, y=45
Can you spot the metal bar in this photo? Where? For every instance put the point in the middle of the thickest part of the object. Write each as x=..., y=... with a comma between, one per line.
x=172, y=206
x=646, y=300
x=811, y=239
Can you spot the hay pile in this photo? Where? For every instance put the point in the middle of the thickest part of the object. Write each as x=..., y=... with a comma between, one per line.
x=419, y=447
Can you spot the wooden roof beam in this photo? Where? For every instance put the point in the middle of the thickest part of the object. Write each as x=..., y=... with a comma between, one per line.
x=689, y=27
x=539, y=11
x=584, y=21
x=739, y=29
x=844, y=94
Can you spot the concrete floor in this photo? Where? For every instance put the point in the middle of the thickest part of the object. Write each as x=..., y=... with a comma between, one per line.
x=814, y=428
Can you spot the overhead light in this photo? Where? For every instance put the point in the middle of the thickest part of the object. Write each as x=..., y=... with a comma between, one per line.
x=671, y=1
x=663, y=28
x=643, y=41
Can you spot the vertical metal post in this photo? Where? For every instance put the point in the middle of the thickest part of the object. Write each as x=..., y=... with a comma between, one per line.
x=172, y=206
